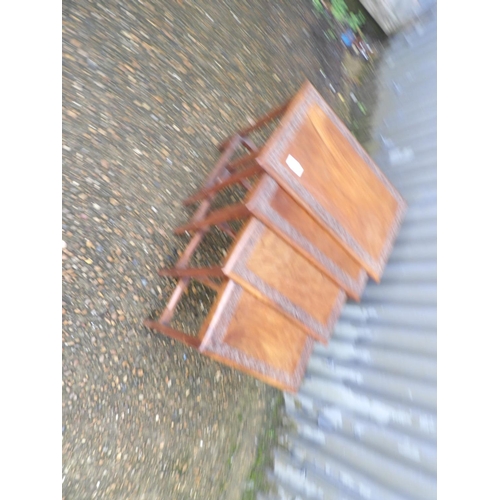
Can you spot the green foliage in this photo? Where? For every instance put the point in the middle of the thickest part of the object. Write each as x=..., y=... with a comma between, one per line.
x=361, y=108
x=318, y=5
x=341, y=13
x=356, y=21
x=339, y=10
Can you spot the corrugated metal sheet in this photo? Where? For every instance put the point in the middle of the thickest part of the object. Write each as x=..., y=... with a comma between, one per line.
x=364, y=421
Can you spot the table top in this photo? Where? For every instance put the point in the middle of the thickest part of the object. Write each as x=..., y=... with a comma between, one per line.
x=276, y=209
x=268, y=267
x=243, y=332
x=319, y=163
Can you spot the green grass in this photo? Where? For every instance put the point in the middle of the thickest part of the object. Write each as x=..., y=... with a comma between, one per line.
x=268, y=440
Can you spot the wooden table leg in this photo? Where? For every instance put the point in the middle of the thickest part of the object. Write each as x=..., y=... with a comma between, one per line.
x=248, y=144
x=242, y=174
x=192, y=272
x=200, y=213
x=243, y=160
x=275, y=113
x=236, y=211
x=224, y=227
x=172, y=333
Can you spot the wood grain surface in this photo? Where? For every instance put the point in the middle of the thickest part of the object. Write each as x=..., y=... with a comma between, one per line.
x=281, y=213
x=337, y=183
x=245, y=333
x=271, y=269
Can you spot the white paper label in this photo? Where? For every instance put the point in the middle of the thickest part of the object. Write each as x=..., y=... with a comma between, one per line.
x=294, y=165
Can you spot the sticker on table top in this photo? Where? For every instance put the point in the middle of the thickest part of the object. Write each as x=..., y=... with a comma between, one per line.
x=294, y=165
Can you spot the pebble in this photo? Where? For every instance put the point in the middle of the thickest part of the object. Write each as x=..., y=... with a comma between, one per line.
x=92, y=64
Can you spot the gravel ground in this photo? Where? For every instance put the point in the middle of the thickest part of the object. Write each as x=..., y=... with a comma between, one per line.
x=149, y=89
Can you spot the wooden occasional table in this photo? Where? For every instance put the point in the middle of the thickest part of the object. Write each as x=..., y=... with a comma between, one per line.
x=319, y=163
x=244, y=333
